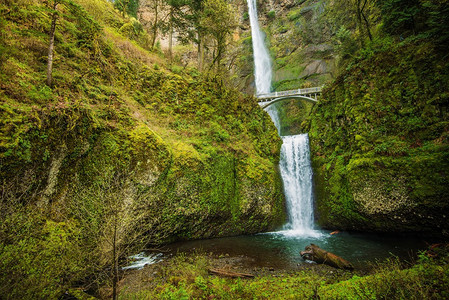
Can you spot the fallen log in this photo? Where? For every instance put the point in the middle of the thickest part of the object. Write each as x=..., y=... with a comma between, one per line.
x=318, y=255
x=230, y=274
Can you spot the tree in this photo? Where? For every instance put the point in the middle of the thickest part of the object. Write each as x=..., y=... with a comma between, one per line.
x=400, y=16
x=357, y=16
x=129, y=7
x=87, y=35
x=196, y=10
x=103, y=211
x=361, y=6
x=176, y=21
x=117, y=218
x=158, y=9
x=218, y=21
x=51, y=46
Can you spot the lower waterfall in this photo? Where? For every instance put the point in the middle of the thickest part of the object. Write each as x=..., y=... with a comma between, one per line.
x=296, y=173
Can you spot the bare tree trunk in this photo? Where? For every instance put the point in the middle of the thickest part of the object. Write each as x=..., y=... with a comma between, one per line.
x=359, y=21
x=217, y=59
x=170, y=40
x=156, y=8
x=200, y=52
x=366, y=22
x=115, y=264
x=52, y=44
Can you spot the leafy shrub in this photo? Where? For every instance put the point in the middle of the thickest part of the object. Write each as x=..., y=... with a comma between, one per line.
x=38, y=258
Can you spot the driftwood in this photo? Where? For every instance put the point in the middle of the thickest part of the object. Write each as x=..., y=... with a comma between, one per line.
x=230, y=274
x=318, y=255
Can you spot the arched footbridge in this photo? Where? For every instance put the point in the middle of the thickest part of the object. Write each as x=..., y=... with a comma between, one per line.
x=309, y=94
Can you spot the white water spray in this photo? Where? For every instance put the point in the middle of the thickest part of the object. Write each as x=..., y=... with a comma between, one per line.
x=296, y=172
x=262, y=61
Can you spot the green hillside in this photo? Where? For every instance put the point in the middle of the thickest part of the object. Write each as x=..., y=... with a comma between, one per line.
x=122, y=151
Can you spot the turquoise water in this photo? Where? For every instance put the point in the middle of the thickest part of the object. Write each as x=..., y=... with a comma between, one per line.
x=281, y=251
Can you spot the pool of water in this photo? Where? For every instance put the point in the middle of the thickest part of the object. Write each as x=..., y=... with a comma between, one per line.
x=281, y=249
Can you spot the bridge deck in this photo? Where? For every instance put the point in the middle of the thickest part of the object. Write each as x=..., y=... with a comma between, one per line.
x=298, y=92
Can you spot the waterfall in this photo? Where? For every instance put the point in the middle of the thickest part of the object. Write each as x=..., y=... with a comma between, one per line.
x=296, y=171
x=274, y=115
x=262, y=61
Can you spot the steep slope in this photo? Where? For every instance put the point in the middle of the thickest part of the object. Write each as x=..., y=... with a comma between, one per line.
x=121, y=152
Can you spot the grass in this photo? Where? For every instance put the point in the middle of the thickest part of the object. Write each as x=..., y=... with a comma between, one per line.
x=186, y=277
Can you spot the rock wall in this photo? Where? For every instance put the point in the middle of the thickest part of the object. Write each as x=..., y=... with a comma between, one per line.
x=380, y=146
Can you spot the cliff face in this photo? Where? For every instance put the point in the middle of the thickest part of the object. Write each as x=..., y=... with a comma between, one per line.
x=379, y=133
x=379, y=138
x=299, y=41
x=302, y=51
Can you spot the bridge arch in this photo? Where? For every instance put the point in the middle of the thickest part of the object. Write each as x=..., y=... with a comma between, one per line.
x=309, y=94
x=265, y=104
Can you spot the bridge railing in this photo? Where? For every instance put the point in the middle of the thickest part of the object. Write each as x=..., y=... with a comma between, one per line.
x=306, y=91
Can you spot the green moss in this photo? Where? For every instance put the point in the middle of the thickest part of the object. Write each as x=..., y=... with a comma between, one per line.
x=170, y=153
x=379, y=152
x=31, y=260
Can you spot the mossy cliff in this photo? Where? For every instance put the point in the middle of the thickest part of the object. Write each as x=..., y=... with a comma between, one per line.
x=122, y=151
x=299, y=41
x=380, y=143
x=301, y=47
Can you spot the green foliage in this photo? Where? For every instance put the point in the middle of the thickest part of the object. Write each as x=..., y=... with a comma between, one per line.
x=297, y=38
x=426, y=19
x=127, y=6
x=184, y=140
x=87, y=28
x=132, y=30
x=39, y=258
x=426, y=280
x=271, y=14
x=218, y=20
x=186, y=277
x=347, y=46
x=399, y=16
x=437, y=20
x=377, y=128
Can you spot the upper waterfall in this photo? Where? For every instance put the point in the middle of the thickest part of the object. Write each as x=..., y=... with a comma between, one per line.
x=262, y=60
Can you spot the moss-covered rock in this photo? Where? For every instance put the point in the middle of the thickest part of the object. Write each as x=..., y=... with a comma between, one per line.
x=379, y=138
